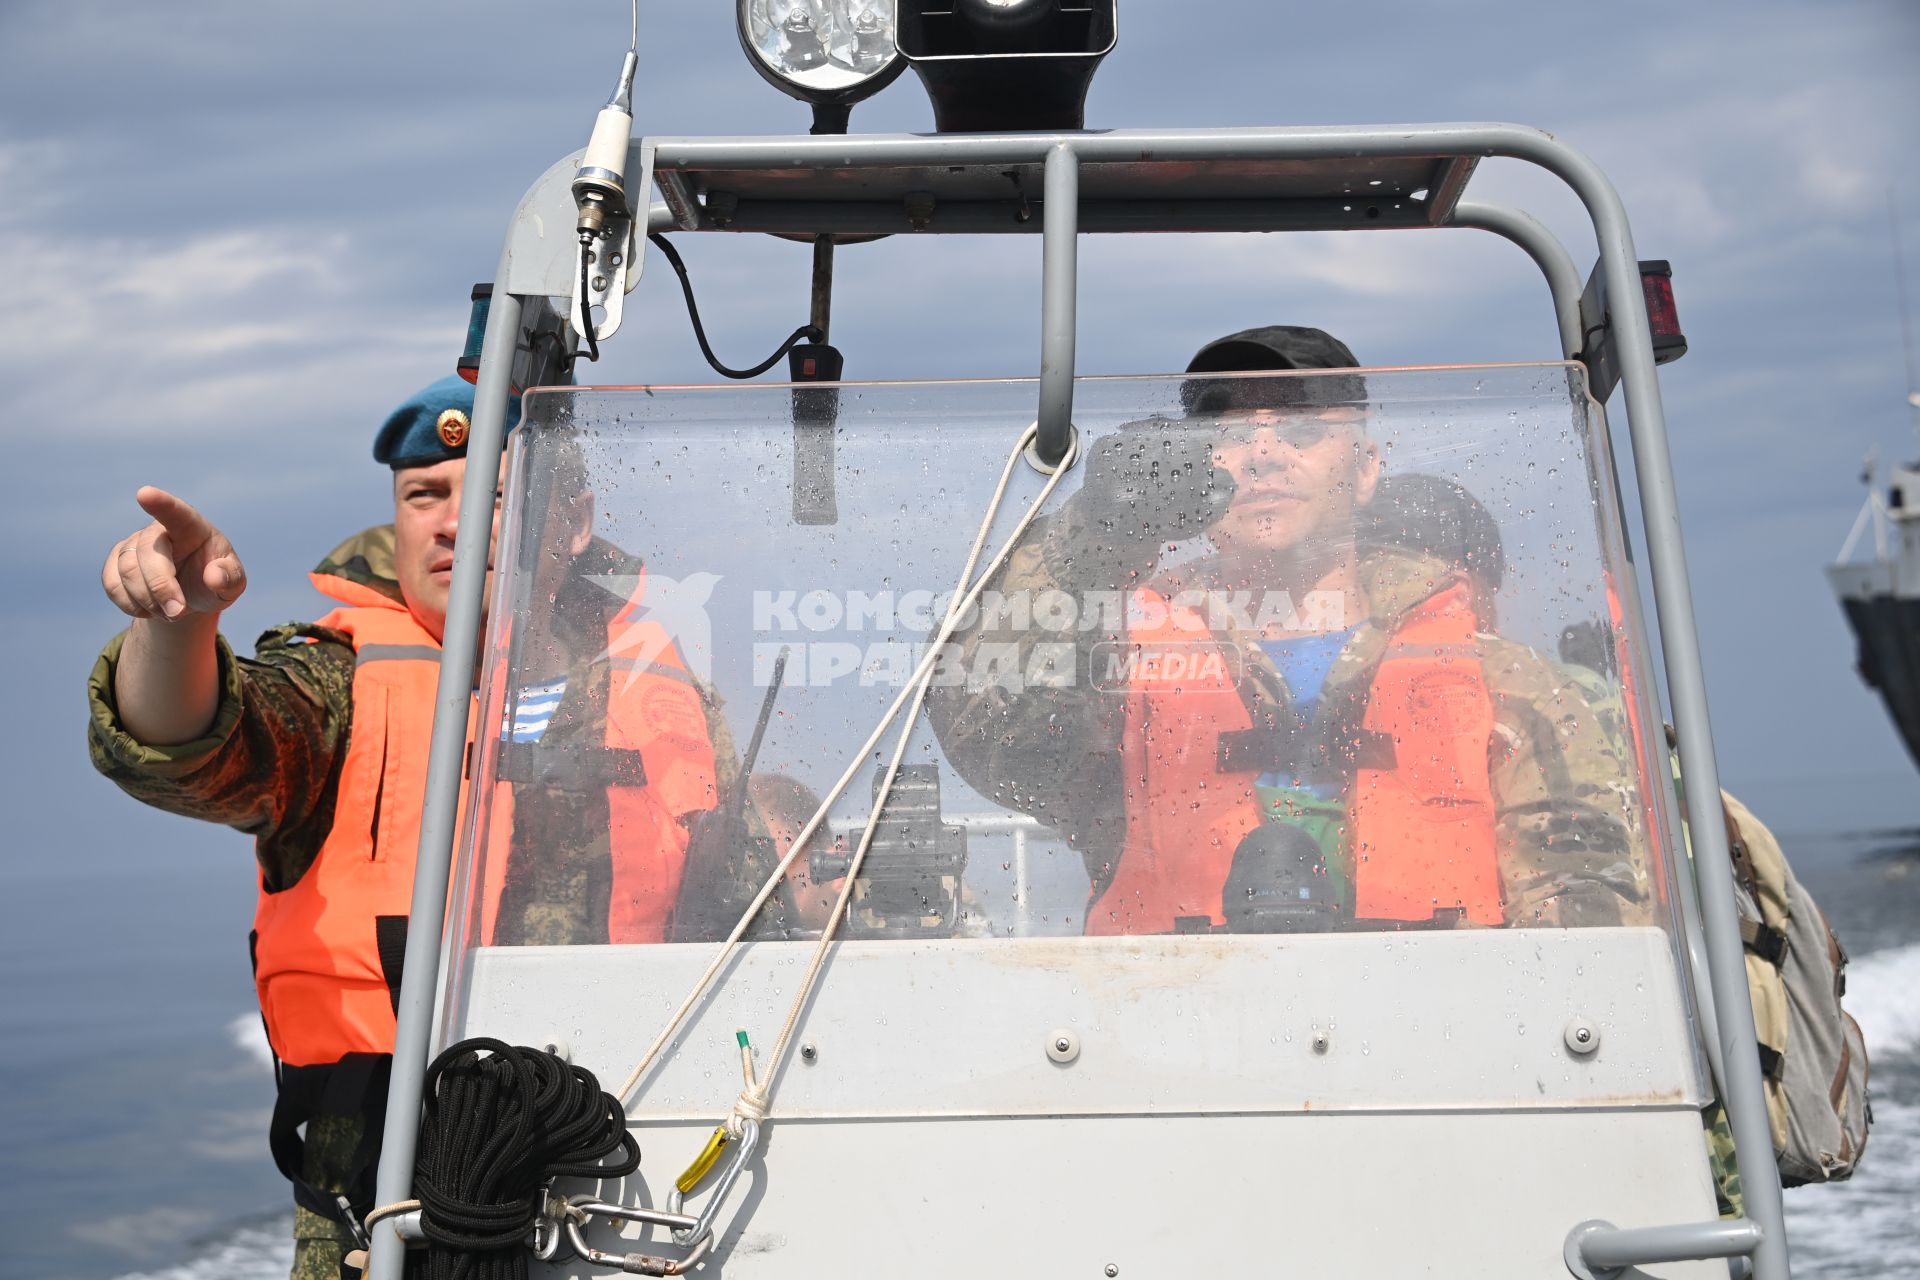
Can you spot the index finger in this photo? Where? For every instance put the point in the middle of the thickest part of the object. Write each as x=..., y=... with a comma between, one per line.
x=182, y=521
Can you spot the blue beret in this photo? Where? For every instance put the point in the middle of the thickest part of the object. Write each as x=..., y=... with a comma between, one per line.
x=432, y=425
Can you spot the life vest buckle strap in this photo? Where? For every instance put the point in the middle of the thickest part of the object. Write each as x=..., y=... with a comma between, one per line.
x=1275, y=750
x=1296, y=750
x=574, y=768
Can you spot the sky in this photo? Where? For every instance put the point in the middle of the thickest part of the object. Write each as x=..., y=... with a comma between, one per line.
x=238, y=234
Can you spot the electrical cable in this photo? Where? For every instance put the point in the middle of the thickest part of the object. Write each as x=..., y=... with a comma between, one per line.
x=805, y=332
x=499, y=1124
x=586, y=307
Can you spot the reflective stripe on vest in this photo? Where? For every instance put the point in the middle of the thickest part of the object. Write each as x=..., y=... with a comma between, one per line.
x=322, y=985
x=1421, y=832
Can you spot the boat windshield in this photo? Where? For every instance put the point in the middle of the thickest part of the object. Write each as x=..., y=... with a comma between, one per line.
x=1293, y=653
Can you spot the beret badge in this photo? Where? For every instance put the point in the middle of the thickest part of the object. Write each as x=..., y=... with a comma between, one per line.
x=452, y=428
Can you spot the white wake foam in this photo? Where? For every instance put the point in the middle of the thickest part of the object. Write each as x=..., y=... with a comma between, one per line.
x=1883, y=995
x=249, y=1035
x=259, y=1252
x=1863, y=1229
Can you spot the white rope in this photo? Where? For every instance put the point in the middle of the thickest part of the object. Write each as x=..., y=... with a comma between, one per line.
x=755, y=1097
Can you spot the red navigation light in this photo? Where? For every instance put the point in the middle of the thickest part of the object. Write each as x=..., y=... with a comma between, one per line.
x=1663, y=318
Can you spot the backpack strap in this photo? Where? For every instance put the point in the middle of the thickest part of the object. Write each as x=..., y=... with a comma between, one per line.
x=1764, y=941
x=1742, y=856
x=1759, y=937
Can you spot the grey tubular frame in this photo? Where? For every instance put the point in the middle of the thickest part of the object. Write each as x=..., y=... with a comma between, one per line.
x=1062, y=155
x=1563, y=279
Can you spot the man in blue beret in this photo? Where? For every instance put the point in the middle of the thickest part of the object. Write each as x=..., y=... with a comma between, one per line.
x=317, y=747
x=181, y=723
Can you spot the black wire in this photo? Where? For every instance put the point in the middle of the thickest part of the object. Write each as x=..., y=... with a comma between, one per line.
x=496, y=1129
x=806, y=331
x=586, y=308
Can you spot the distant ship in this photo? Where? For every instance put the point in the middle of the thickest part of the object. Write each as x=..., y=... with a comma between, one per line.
x=1881, y=596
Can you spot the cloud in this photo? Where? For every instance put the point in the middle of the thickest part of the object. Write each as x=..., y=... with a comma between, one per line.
x=225, y=265
x=201, y=336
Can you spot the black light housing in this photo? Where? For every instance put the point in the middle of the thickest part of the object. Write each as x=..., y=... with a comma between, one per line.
x=827, y=52
x=1002, y=65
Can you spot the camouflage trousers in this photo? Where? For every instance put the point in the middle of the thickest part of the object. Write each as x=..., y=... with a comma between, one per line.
x=1726, y=1170
x=319, y=1244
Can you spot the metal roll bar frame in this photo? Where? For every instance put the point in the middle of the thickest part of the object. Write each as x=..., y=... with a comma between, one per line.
x=535, y=264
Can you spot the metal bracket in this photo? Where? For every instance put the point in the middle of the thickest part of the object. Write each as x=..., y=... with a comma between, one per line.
x=609, y=262
x=542, y=255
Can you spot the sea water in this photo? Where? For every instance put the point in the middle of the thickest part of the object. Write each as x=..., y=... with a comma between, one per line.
x=134, y=1093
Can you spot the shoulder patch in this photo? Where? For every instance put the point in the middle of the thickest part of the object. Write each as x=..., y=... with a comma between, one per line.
x=533, y=710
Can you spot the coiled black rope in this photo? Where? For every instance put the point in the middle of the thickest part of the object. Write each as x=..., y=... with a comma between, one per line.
x=805, y=332
x=499, y=1123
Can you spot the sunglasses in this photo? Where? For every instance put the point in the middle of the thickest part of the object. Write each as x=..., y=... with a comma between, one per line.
x=1297, y=432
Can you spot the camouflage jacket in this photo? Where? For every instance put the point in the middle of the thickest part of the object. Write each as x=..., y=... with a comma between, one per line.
x=1569, y=840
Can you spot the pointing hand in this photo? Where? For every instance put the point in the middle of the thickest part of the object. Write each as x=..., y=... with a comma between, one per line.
x=177, y=566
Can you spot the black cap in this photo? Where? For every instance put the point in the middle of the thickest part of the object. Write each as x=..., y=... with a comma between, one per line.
x=1273, y=346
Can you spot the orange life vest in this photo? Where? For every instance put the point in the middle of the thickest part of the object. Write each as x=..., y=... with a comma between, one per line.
x=1421, y=828
x=327, y=948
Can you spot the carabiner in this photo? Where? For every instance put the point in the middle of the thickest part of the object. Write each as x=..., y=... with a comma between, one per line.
x=549, y=1236
x=583, y=1207
x=742, y=1152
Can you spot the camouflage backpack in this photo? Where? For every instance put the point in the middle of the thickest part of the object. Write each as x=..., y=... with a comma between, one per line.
x=1811, y=1052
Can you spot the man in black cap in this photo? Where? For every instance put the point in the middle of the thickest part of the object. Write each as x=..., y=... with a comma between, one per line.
x=317, y=747
x=1293, y=723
